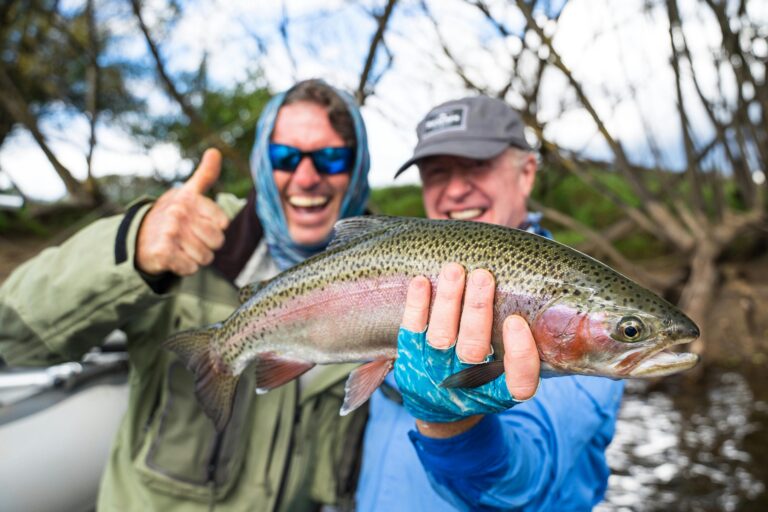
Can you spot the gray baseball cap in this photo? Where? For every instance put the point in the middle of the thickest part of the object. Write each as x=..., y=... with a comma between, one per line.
x=476, y=127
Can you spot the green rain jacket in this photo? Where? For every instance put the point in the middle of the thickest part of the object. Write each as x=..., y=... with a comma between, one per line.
x=285, y=450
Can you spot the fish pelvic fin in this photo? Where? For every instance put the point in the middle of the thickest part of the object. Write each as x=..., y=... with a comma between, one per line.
x=362, y=382
x=273, y=370
x=474, y=376
x=214, y=386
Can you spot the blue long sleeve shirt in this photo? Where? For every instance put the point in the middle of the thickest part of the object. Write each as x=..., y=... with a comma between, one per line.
x=545, y=454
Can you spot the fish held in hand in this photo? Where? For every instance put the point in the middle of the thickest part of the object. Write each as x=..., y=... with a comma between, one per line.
x=346, y=304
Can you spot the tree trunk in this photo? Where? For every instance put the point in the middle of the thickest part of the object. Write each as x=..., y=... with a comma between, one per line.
x=16, y=106
x=702, y=284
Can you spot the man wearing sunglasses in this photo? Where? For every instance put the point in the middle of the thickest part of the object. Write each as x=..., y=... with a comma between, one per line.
x=176, y=263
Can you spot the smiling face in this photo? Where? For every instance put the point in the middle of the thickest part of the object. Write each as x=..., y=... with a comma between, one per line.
x=493, y=191
x=311, y=201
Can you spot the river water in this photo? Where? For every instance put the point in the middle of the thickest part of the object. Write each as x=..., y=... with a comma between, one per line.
x=691, y=447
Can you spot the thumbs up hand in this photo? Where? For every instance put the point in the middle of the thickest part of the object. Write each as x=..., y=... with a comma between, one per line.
x=183, y=228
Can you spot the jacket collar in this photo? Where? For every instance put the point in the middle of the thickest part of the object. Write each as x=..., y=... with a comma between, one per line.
x=241, y=238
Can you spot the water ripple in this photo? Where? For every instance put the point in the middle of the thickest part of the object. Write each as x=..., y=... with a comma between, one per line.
x=689, y=449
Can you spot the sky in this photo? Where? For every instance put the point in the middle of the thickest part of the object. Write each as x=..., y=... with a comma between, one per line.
x=612, y=47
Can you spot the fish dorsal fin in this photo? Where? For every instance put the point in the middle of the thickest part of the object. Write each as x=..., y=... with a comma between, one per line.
x=346, y=230
x=249, y=290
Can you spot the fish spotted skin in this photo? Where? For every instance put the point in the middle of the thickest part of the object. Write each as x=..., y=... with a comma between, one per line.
x=345, y=305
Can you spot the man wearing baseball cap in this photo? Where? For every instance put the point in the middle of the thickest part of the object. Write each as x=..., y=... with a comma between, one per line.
x=494, y=446
x=475, y=163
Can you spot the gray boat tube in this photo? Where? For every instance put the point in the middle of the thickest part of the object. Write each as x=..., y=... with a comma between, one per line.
x=57, y=425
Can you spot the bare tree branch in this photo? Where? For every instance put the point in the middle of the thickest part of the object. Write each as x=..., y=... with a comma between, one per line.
x=14, y=187
x=363, y=90
x=14, y=103
x=626, y=266
x=283, y=28
x=666, y=222
x=738, y=61
x=93, y=78
x=691, y=169
x=198, y=124
x=556, y=60
x=720, y=138
x=458, y=68
x=615, y=231
x=570, y=165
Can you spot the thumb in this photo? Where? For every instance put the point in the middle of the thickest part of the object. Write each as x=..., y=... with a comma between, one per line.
x=521, y=358
x=206, y=173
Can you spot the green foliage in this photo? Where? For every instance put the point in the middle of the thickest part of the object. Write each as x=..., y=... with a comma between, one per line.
x=230, y=113
x=641, y=245
x=46, y=51
x=21, y=222
x=402, y=201
x=565, y=236
x=568, y=194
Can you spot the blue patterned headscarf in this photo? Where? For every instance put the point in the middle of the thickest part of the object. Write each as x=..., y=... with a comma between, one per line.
x=269, y=208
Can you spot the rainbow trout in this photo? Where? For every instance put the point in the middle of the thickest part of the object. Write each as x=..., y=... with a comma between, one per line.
x=346, y=304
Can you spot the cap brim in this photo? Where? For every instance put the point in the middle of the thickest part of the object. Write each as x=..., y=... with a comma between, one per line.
x=481, y=150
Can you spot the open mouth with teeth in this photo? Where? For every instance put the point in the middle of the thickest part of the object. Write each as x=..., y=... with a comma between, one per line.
x=664, y=363
x=470, y=213
x=659, y=360
x=309, y=204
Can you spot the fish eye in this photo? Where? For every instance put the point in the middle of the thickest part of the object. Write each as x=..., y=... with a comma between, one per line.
x=630, y=329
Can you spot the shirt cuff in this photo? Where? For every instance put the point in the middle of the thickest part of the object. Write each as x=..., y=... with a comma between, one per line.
x=480, y=449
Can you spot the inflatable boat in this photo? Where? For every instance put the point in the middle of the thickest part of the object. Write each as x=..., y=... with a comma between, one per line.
x=56, y=428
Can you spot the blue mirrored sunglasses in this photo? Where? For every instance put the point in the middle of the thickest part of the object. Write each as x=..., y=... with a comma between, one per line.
x=326, y=160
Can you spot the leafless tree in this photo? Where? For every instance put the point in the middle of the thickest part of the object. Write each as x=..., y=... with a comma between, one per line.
x=699, y=227
x=204, y=131
x=17, y=107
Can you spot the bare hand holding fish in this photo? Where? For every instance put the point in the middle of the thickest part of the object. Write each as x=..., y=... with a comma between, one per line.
x=346, y=305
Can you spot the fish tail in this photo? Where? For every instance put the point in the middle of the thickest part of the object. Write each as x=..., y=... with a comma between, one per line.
x=214, y=385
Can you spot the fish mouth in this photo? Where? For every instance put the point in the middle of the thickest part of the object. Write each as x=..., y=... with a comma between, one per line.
x=663, y=363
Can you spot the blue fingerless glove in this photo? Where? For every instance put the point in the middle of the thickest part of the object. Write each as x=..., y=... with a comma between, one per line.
x=419, y=370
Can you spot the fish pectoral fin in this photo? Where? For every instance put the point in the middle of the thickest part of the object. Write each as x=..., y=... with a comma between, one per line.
x=474, y=376
x=362, y=382
x=272, y=370
x=249, y=290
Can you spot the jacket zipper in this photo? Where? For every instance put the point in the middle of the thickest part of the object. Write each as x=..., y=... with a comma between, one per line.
x=289, y=459
x=213, y=462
